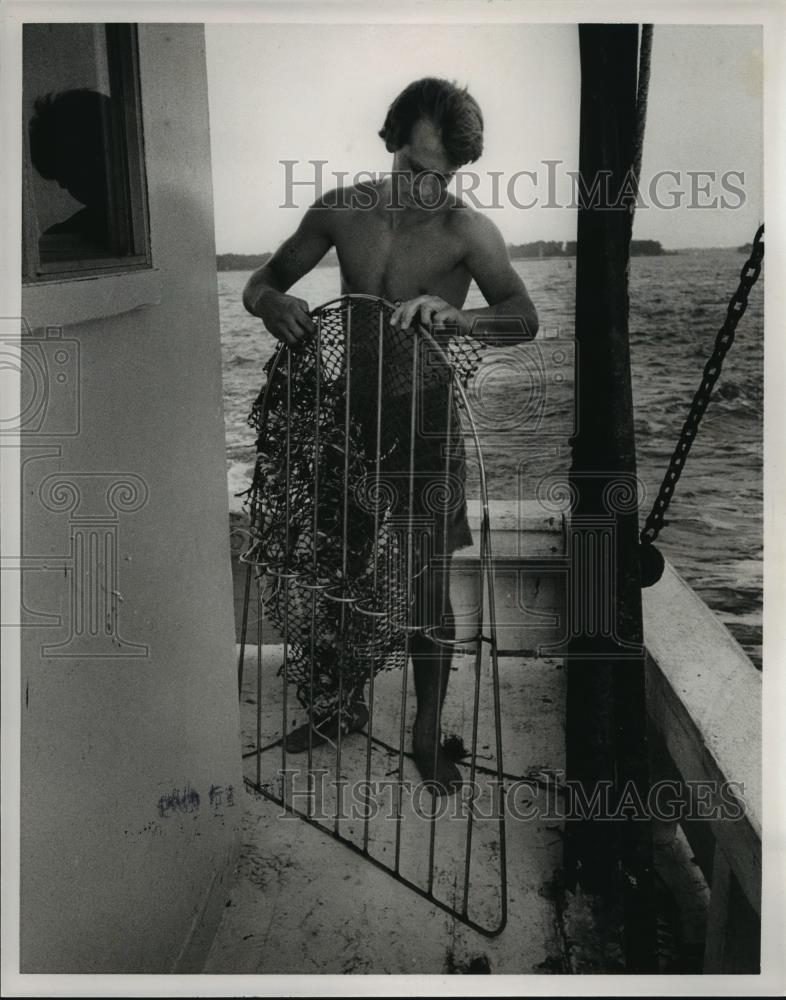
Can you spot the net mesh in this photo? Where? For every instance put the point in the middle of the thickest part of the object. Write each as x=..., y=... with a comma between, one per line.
x=358, y=491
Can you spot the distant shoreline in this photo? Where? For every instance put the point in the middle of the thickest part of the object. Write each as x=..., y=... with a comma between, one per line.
x=539, y=250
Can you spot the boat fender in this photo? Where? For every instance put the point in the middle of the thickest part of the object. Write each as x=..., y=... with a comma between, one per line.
x=652, y=564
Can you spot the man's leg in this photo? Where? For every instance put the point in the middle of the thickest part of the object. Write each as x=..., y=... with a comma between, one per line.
x=431, y=668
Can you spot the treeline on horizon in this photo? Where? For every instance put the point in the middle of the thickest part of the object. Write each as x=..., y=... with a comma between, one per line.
x=555, y=248
x=539, y=249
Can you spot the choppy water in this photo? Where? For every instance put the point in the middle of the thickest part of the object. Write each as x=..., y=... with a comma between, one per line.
x=522, y=399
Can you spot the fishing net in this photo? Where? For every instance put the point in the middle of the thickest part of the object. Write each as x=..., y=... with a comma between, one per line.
x=358, y=492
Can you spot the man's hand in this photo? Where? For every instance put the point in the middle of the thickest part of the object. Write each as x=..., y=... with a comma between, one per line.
x=430, y=310
x=285, y=316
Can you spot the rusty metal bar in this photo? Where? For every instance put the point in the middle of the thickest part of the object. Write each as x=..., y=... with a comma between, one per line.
x=442, y=561
x=284, y=580
x=344, y=530
x=315, y=561
x=409, y=592
x=376, y=501
x=259, y=679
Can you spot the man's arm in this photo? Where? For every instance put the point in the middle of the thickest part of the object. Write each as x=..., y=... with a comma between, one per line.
x=510, y=316
x=286, y=316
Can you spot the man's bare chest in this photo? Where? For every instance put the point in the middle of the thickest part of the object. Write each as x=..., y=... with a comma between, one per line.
x=401, y=262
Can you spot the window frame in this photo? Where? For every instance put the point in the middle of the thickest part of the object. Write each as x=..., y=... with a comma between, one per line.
x=128, y=189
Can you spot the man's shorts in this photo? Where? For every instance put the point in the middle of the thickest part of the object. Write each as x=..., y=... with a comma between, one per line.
x=422, y=467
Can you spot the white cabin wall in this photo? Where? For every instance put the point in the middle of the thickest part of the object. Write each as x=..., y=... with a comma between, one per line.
x=109, y=884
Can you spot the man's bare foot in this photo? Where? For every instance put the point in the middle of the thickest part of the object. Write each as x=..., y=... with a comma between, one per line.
x=354, y=718
x=445, y=776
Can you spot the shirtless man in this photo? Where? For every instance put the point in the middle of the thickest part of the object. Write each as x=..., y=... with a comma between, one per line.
x=407, y=239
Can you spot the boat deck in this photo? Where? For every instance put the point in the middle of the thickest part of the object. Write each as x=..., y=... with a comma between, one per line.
x=304, y=902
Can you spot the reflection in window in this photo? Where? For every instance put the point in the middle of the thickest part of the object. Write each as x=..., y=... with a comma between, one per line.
x=69, y=136
x=85, y=207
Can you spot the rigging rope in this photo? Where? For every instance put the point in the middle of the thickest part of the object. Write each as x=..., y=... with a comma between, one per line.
x=645, y=59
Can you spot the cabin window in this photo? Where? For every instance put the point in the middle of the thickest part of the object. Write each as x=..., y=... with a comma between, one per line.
x=84, y=197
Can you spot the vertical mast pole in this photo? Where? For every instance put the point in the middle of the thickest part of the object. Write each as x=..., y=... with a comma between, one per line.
x=606, y=713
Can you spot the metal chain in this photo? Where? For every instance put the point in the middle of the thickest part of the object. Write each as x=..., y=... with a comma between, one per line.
x=725, y=338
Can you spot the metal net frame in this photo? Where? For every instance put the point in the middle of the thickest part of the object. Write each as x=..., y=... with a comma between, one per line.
x=357, y=500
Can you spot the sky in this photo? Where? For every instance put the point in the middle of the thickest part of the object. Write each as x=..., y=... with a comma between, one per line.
x=301, y=92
